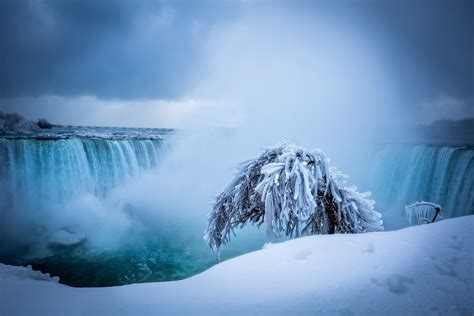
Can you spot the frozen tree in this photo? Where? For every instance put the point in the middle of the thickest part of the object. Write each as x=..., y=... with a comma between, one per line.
x=295, y=192
x=13, y=122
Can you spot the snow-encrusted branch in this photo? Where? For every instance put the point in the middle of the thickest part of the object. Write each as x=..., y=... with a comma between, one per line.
x=294, y=191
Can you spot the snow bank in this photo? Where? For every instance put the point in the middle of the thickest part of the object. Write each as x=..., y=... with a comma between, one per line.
x=24, y=273
x=415, y=271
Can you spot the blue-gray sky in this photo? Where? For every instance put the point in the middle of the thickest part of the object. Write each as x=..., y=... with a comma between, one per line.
x=105, y=62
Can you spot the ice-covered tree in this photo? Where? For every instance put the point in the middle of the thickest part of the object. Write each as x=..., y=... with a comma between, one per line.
x=296, y=193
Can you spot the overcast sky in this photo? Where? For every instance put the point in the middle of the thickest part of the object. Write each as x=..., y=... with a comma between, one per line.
x=164, y=63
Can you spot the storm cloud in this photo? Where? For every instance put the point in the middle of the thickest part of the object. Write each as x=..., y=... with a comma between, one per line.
x=154, y=52
x=108, y=49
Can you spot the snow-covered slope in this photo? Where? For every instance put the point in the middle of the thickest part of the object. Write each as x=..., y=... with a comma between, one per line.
x=419, y=270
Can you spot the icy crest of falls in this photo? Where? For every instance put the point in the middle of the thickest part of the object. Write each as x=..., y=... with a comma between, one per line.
x=403, y=174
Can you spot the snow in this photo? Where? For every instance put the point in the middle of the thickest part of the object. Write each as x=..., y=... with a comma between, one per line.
x=426, y=269
x=62, y=238
x=24, y=273
x=423, y=213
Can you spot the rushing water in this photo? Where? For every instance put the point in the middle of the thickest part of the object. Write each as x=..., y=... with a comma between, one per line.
x=403, y=174
x=54, y=167
x=42, y=171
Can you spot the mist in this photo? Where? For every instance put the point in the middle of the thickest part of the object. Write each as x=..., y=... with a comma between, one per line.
x=281, y=75
x=271, y=78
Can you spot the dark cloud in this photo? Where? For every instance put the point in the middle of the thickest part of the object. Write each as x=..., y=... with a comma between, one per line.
x=433, y=38
x=154, y=49
x=427, y=44
x=110, y=49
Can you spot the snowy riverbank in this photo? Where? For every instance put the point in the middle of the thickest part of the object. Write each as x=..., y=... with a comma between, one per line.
x=419, y=270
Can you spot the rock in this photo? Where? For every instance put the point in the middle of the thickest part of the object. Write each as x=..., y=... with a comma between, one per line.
x=63, y=239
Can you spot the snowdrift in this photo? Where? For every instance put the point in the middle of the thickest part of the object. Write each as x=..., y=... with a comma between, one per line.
x=415, y=271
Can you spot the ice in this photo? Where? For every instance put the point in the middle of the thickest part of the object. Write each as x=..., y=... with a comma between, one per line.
x=64, y=239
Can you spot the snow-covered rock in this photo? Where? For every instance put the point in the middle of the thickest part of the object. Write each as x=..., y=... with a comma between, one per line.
x=420, y=270
x=64, y=239
x=24, y=273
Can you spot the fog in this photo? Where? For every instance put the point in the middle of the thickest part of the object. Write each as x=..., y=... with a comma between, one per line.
x=286, y=76
x=272, y=78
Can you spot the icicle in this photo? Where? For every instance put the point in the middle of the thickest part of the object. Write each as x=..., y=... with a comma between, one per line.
x=269, y=213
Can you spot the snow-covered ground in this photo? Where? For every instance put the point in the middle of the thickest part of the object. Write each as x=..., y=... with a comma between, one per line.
x=415, y=271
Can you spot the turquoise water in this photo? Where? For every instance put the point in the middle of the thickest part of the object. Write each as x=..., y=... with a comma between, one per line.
x=155, y=258
x=151, y=261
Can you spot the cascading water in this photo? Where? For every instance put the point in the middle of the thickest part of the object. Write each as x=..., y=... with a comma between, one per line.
x=403, y=174
x=38, y=172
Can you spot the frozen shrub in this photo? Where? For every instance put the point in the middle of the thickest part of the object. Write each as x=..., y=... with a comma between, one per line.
x=295, y=192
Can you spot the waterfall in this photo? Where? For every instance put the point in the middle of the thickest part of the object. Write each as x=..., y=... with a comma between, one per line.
x=403, y=174
x=35, y=172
